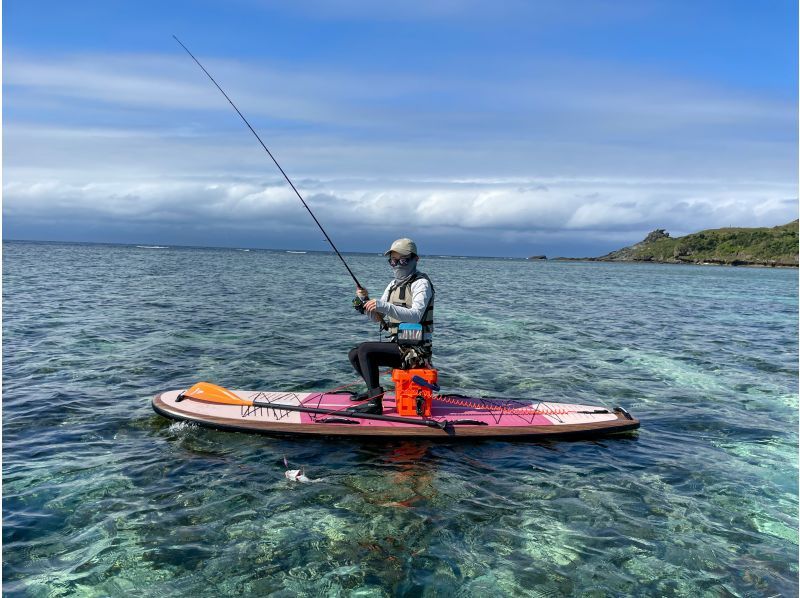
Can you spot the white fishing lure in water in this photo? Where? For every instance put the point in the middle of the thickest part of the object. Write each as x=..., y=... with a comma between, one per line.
x=298, y=475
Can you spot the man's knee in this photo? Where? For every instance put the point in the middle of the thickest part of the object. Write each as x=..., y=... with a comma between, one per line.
x=353, y=355
x=363, y=351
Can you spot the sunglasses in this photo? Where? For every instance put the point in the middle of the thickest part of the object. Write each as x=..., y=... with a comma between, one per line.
x=403, y=261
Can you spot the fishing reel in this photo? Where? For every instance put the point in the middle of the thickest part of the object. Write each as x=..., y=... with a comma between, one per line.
x=359, y=302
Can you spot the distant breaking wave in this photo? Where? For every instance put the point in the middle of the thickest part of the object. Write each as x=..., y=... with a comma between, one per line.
x=287, y=251
x=152, y=247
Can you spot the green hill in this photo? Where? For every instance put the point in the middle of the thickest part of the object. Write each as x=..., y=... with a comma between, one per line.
x=777, y=246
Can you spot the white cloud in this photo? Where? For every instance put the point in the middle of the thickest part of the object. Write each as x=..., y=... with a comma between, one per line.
x=609, y=156
x=174, y=82
x=551, y=102
x=565, y=205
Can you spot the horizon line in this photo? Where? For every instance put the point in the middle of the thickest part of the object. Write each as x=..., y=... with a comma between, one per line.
x=241, y=248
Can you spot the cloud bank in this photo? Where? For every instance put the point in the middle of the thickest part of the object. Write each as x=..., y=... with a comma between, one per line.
x=577, y=159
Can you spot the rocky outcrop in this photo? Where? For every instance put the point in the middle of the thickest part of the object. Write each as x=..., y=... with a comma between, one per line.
x=657, y=234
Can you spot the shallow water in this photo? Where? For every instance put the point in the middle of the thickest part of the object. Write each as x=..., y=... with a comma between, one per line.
x=103, y=497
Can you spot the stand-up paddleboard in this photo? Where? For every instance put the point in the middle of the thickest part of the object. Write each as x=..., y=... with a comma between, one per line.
x=304, y=413
x=323, y=413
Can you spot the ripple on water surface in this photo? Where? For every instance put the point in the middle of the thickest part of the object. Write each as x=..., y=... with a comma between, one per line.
x=103, y=497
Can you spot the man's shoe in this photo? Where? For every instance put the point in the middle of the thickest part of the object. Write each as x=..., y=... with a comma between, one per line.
x=368, y=394
x=374, y=405
x=361, y=396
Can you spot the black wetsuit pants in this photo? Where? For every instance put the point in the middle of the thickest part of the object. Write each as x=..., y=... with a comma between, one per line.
x=367, y=357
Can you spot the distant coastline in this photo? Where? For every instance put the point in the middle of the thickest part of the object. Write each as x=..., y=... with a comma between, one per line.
x=775, y=247
x=754, y=247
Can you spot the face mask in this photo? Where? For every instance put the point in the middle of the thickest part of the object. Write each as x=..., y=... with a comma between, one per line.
x=401, y=272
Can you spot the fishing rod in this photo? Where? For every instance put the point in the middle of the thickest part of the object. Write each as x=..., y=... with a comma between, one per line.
x=269, y=153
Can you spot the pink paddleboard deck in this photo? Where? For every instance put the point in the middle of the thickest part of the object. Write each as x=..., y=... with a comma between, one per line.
x=461, y=417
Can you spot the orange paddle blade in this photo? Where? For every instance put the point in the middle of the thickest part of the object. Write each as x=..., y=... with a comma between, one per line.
x=211, y=393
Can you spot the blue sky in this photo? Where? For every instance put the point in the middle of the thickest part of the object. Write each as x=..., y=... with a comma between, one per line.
x=516, y=128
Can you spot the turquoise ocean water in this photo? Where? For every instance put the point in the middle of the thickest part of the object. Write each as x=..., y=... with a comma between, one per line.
x=101, y=497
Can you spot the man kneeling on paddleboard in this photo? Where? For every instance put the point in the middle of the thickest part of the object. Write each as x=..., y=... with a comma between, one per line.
x=406, y=311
